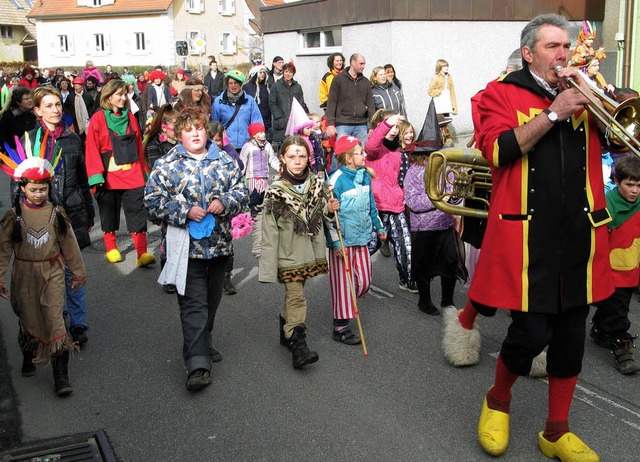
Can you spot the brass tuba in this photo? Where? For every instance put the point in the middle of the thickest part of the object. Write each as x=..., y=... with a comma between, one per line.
x=459, y=173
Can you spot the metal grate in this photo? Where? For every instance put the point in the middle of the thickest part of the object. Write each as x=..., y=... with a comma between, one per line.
x=78, y=448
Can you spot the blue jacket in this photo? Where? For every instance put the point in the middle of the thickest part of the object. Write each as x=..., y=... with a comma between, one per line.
x=358, y=214
x=222, y=110
x=179, y=182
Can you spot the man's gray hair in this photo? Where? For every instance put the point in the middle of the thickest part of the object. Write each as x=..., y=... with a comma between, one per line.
x=529, y=35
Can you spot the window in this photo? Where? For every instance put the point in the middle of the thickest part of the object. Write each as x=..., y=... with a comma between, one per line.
x=64, y=43
x=6, y=31
x=194, y=6
x=227, y=7
x=227, y=43
x=140, y=46
x=99, y=42
x=97, y=2
x=321, y=41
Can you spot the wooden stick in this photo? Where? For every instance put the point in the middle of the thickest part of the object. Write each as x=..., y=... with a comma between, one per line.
x=350, y=280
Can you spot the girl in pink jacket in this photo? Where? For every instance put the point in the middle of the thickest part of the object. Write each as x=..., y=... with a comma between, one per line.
x=384, y=156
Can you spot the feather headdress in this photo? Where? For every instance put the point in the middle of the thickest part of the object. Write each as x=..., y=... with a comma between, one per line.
x=35, y=164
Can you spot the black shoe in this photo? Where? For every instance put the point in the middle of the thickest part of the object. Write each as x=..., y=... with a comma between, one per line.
x=346, y=336
x=298, y=346
x=429, y=309
x=60, y=363
x=228, y=286
x=601, y=339
x=623, y=354
x=385, y=250
x=79, y=334
x=198, y=379
x=408, y=286
x=214, y=355
x=28, y=368
x=169, y=288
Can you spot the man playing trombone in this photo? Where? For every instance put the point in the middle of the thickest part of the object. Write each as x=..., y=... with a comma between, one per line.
x=545, y=252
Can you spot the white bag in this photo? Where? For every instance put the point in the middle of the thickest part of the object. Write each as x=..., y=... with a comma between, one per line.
x=443, y=102
x=175, y=269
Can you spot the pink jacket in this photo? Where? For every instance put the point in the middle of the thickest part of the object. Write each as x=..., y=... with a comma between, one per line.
x=385, y=163
x=86, y=72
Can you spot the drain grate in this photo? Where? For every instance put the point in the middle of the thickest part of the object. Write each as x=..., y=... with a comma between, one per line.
x=76, y=448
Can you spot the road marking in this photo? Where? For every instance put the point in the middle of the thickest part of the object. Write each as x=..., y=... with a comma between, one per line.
x=377, y=292
x=252, y=274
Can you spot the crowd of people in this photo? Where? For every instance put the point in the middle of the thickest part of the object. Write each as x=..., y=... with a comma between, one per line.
x=193, y=153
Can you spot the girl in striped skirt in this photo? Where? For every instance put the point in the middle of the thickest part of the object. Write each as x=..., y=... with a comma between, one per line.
x=358, y=217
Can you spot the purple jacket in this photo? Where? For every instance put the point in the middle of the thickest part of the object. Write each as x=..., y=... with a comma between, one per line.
x=386, y=166
x=423, y=215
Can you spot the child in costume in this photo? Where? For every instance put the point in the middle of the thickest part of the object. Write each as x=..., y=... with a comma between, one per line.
x=40, y=237
x=316, y=138
x=292, y=250
x=358, y=217
x=434, y=240
x=385, y=158
x=257, y=155
x=196, y=189
x=611, y=323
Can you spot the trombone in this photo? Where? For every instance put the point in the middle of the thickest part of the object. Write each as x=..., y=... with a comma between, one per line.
x=621, y=119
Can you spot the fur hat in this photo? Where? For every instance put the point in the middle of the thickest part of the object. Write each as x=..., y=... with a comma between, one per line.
x=157, y=75
x=298, y=119
x=255, y=128
x=345, y=143
x=235, y=75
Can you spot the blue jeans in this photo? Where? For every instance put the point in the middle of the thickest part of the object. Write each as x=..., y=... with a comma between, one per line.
x=198, y=307
x=359, y=131
x=76, y=302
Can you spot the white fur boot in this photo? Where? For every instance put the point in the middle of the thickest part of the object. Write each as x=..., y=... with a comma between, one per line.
x=539, y=366
x=461, y=346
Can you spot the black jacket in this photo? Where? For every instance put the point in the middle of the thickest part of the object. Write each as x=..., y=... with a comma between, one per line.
x=280, y=100
x=71, y=186
x=14, y=123
x=350, y=101
x=214, y=86
x=250, y=89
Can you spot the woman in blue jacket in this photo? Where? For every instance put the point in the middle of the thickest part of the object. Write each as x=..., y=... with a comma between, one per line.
x=235, y=110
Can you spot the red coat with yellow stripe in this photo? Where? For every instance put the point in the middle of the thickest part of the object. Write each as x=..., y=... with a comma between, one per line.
x=546, y=246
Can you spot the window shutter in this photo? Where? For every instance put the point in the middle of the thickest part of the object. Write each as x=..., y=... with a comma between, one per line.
x=201, y=6
x=232, y=6
x=233, y=47
x=71, y=45
x=220, y=6
x=222, y=50
x=107, y=43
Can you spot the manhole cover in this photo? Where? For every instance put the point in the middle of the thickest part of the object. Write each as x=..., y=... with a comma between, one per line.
x=77, y=448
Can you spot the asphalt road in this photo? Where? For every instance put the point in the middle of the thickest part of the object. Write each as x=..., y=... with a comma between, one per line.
x=403, y=402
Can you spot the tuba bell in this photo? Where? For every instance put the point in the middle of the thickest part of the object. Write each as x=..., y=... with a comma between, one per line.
x=459, y=174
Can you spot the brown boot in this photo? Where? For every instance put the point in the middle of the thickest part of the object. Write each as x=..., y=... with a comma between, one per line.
x=60, y=363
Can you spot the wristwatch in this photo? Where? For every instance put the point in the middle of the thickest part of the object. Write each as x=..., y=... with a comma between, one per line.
x=552, y=116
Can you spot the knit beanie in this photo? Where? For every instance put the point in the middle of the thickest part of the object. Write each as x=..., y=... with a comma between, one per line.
x=255, y=128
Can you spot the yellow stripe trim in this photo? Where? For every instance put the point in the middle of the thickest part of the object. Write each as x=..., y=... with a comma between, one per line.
x=583, y=119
